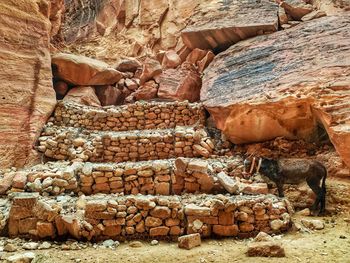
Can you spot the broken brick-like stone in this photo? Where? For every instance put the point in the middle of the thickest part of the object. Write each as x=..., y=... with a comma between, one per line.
x=189, y=241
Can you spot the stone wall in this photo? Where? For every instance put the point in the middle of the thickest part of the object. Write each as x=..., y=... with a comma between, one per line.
x=125, y=217
x=159, y=177
x=77, y=145
x=137, y=116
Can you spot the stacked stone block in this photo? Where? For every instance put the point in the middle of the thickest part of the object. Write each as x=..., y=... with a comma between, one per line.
x=137, y=116
x=125, y=217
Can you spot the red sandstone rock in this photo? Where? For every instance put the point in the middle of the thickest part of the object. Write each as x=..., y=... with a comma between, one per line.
x=19, y=180
x=159, y=231
x=171, y=59
x=6, y=183
x=151, y=68
x=61, y=88
x=204, y=62
x=84, y=71
x=222, y=24
x=180, y=84
x=284, y=104
x=226, y=231
x=196, y=55
x=189, y=241
x=108, y=95
x=128, y=65
x=296, y=8
x=27, y=97
x=265, y=249
x=83, y=95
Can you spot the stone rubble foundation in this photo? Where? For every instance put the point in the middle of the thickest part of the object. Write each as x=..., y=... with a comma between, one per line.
x=102, y=216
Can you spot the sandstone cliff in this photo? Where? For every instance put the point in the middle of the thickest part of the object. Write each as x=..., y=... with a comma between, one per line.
x=27, y=97
x=283, y=84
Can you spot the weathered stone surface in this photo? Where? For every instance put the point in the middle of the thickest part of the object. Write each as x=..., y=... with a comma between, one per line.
x=189, y=241
x=254, y=91
x=228, y=183
x=128, y=65
x=108, y=95
x=296, y=8
x=313, y=223
x=84, y=95
x=147, y=91
x=82, y=19
x=150, y=69
x=171, y=59
x=265, y=249
x=224, y=23
x=180, y=84
x=84, y=71
x=27, y=97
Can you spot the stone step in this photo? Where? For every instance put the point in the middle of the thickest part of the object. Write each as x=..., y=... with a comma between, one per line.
x=101, y=216
x=137, y=116
x=161, y=177
x=76, y=144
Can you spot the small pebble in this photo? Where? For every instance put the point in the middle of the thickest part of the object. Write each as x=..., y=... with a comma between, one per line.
x=154, y=242
x=135, y=244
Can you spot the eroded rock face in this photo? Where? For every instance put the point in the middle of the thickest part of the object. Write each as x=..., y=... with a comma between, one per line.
x=84, y=95
x=180, y=84
x=220, y=24
x=126, y=27
x=27, y=96
x=80, y=70
x=282, y=84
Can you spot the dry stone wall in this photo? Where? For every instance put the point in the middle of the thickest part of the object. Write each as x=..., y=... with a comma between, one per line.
x=137, y=116
x=159, y=177
x=66, y=143
x=125, y=217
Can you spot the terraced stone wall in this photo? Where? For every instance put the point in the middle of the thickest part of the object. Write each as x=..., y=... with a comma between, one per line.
x=66, y=143
x=125, y=217
x=137, y=116
x=160, y=177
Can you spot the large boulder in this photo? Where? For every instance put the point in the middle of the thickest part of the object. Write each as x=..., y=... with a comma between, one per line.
x=84, y=95
x=27, y=96
x=283, y=84
x=222, y=23
x=180, y=84
x=83, y=71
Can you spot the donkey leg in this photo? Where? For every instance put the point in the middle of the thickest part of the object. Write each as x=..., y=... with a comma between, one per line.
x=313, y=183
x=280, y=189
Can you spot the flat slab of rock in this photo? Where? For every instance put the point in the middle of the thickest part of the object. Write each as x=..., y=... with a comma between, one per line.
x=265, y=249
x=313, y=224
x=223, y=23
x=254, y=90
x=21, y=258
x=189, y=241
x=228, y=183
x=84, y=71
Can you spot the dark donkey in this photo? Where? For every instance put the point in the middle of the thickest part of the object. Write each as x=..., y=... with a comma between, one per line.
x=294, y=171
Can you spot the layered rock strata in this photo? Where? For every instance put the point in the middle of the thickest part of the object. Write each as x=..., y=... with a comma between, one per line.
x=27, y=97
x=270, y=86
x=220, y=24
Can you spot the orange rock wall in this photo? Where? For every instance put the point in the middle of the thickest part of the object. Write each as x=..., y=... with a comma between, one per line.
x=26, y=94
